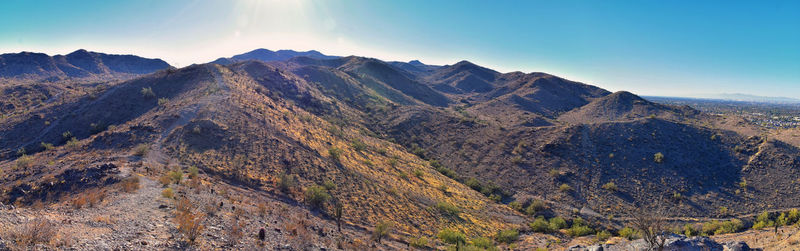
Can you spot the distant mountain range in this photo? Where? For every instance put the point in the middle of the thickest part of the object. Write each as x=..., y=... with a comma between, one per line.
x=742, y=98
x=80, y=63
x=268, y=56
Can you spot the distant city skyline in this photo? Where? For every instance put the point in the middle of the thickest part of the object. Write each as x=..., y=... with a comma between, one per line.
x=674, y=48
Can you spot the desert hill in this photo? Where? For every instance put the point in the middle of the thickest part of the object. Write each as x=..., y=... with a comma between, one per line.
x=78, y=64
x=425, y=148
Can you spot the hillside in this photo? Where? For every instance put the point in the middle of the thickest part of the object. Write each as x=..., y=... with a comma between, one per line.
x=78, y=64
x=280, y=140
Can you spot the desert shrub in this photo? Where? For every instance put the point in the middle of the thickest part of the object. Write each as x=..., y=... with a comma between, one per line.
x=167, y=193
x=189, y=219
x=358, y=145
x=193, y=172
x=420, y=242
x=164, y=180
x=416, y=150
x=482, y=242
x=286, y=182
x=235, y=231
x=418, y=173
x=403, y=175
x=130, y=184
x=447, y=172
x=763, y=220
x=496, y=197
x=627, y=233
x=175, y=176
x=610, y=186
x=658, y=157
x=141, y=150
x=37, y=231
x=564, y=188
x=329, y=185
x=66, y=135
x=540, y=225
x=603, y=235
x=163, y=101
x=721, y=227
x=689, y=230
x=554, y=173
x=335, y=153
x=579, y=228
x=515, y=205
x=382, y=230
x=316, y=196
x=447, y=208
x=792, y=216
x=451, y=236
x=558, y=223
x=72, y=143
x=507, y=236
x=89, y=198
x=535, y=207
x=147, y=92
x=24, y=161
x=443, y=188
x=47, y=146
x=473, y=183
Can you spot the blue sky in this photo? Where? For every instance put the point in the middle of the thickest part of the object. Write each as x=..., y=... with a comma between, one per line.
x=677, y=48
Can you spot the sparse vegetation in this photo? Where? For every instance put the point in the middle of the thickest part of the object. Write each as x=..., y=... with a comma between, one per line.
x=579, y=228
x=603, y=235
x=358, y=145
x=658, y=157
x=163, y=101
x=147, y=92
x=72, y=143
x=420, y=242
x=610, y=186
x=193, y=172
x=316, y=196
x=564, y=188
x=141, y=150
x=47, y=146
x=167, y=193
x=535, y=207
x=382, y=230
x=176, y=176
x=451, y=236
x=447, y=209
x=286, y=182
x=335, y=153
x=507, y=236
x=37, y=231
x=189, y=219
x=627, y=233
x=24, y=161
x=130, y=184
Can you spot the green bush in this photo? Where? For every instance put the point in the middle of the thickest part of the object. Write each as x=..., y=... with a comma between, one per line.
x=175, y=176
x=721, y=227
x=452, y=237
x=473, y=183
x=515, y=205
x=420, y=243
x=482, y=242
x=603, y=235
x=507, y=236
x=47, y=146
x=763, y=220
x=447, y=208
x=627, y=233
x=689, y=230
x=535, y=207
x=72, y=143
x=576, y=231
x=316, y=196
x=540, y=225
x=163, y=101
x=382, y=230
x=558, y=223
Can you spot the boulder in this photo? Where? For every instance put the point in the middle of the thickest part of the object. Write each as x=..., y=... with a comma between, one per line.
x=736, y=246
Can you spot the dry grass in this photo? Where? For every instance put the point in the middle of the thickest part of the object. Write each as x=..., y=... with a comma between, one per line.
x=189, y=219
x=130, y=184
x=37, y=231
x=89, y=198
